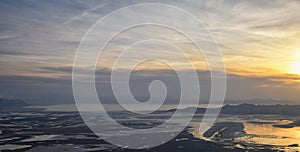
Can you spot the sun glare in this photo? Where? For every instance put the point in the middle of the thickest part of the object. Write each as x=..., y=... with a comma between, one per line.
x=296, y=67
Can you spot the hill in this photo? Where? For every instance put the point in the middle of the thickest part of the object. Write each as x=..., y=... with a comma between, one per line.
x=246, y=109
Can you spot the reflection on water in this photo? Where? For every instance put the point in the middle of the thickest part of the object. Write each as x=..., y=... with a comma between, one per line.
x=253, y=132
x=268, y=134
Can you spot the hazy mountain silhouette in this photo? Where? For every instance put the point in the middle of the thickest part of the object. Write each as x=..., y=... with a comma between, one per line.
x=15, y=105
x=245, y=109
x=12, y=103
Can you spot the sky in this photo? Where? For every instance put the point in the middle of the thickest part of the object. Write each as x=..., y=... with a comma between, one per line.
x=259, y=41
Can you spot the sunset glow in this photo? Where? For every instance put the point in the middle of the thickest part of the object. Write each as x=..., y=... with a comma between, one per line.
x=260, y=46
x=296, y=67
x=149, y=76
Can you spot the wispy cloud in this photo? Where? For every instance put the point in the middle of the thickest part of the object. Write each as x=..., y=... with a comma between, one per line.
x=85, y=13
x=258, y=39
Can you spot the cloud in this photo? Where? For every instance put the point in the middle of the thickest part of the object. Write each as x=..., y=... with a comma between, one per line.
x=85, y=13
x=58, y=90
x=38, y=41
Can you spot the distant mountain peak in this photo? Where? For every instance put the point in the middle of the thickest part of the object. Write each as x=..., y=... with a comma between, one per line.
x=12, y=103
